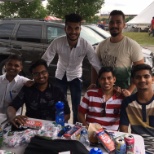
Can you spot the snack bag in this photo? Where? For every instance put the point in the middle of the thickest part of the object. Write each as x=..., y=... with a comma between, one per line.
x=93, y=127
x=35, y=124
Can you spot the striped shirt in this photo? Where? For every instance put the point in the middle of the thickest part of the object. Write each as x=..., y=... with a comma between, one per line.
x=98, y=111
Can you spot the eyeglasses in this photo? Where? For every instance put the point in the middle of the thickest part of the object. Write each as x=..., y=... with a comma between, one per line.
x=36, y=74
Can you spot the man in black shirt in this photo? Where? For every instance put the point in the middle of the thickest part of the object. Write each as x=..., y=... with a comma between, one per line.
x=40, y=99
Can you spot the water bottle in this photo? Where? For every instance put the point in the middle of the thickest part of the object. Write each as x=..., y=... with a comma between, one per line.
x=84, y=137
x=60, y=113
x=95, y=151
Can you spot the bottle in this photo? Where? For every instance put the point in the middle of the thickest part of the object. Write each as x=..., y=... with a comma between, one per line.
x=1, y=136
x=64, y=130
x=59, y=118
x=95, y=151
x=84, y=136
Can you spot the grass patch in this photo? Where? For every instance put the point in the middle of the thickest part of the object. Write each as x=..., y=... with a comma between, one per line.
x=142, y=38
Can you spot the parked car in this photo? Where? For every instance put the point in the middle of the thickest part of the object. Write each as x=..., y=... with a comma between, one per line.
x=30, y=39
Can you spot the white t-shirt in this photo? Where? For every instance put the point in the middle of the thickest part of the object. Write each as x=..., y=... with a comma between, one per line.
x=9, y=90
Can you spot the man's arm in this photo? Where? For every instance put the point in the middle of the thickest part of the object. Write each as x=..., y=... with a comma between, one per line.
x=124, y=121
x=132, y=87
x=93, y=78
x=82, y=119
x=15, y=120
x=18, y=102
x=124, y=128
x=67, y=117
x=50, y=53
x=93, y=58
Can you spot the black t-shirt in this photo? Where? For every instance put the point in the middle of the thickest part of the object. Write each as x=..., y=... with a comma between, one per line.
x=40, y=105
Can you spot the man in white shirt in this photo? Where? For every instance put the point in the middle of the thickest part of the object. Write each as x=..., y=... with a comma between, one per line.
x=11, y=82
x=71, y=50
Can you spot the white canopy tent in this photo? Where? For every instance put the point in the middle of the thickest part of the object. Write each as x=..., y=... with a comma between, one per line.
x=144, y=18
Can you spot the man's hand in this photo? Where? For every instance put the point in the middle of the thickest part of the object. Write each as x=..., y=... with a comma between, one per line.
x=126, y=92
x=92, y=86
x=19, y=120
x=117, y=90
x=29, y=83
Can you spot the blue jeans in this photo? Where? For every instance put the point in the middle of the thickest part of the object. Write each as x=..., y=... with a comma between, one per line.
x=75, y=89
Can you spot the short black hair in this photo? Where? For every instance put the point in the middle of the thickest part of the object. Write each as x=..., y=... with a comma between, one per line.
x=117, y=12
x=106, y=69
x=73, y=17
x=140, y=67
x=38, y=63
x=14, y=57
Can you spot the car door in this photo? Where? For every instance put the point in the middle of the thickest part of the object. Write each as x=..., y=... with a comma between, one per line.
x=28, y=43
x=6, y=30
x=53, y=31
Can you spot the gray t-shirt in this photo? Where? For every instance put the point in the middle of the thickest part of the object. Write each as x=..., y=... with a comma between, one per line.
x=121, y=56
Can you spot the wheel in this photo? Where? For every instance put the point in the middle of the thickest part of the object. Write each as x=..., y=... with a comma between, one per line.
x=2, y=67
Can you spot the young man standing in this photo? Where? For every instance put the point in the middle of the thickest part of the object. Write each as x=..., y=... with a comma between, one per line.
x=39, y=99
x=71, y=50
x=11, y=82
x=138, y=109
x=102, y=105
x=119, y=51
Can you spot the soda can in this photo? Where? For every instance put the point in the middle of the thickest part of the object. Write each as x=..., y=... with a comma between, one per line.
x=130, y=141
x=1, y=136
x=120, y=146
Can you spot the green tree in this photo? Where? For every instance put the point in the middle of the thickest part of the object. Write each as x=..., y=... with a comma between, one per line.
x=23, y=9
x=86, y=8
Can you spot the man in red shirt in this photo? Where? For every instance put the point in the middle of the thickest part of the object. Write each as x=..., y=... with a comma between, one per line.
x=102, y=105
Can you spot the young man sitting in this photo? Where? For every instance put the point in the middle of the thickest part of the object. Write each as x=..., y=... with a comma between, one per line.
x=11, y=82
x=102, y=105
x=138, y=109
x=39, y=99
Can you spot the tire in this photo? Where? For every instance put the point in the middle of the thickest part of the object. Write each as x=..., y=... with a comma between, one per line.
x=2, y=67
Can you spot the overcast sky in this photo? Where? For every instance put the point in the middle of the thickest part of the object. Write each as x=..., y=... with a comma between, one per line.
x=127, y=6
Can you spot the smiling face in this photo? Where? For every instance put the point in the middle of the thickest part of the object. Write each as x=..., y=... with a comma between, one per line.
x=13, y=67
x=106, y=81
x=72, y=30
x=116, y=25
x=143, y=80
x=40, y=75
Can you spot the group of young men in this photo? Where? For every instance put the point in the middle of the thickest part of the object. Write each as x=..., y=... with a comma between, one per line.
x=110, y=103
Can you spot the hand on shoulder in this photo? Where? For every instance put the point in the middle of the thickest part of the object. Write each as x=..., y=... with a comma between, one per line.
x=92, y=86
x=126, y=92
x=29, y=83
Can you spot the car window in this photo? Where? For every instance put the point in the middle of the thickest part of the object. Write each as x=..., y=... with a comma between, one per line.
x=91, y=36
x=29, y=33
x=6, y=30
x=99, y=30
x=54, y=32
